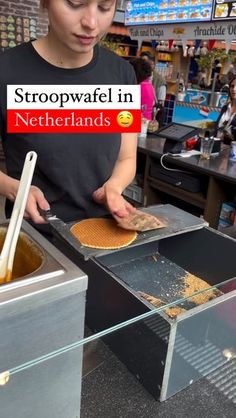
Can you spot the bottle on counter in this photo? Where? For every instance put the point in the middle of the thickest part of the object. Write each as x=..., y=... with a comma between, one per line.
x=181, y=88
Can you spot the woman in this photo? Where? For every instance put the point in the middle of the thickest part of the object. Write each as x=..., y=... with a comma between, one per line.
x=77, y=175
x=226, y=123
x=143, y=73
x=158, y=82
x=202, y=78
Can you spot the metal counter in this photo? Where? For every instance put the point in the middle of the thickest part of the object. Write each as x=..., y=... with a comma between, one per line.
x=41, y=313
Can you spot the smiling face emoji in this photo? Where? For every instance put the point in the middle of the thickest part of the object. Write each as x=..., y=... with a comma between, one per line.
x=125, y=119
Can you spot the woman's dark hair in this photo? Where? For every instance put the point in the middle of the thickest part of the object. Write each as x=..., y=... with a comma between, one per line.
x=230, y=82
x=142, y=68
x=148, y=55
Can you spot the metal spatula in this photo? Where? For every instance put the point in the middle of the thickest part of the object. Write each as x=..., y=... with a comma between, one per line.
x=9, y=246
x=60, y=228
x=140, y=221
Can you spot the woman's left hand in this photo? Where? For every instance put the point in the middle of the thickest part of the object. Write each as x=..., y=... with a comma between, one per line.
x=110, y=196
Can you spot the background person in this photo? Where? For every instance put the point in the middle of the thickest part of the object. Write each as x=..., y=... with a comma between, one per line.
x=77, y=175
x=194, y=83
x=143, y=73
x=159, y=83
x=226, y=123
x=202, y=79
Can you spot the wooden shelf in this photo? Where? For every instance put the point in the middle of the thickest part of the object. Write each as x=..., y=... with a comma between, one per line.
x=128, y=56
x=124, y=44
x=164, y=56
x=196, y=199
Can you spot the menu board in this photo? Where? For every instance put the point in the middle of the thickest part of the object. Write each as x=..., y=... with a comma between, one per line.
x=140, y=12
x=16, y=29
x=224, y=10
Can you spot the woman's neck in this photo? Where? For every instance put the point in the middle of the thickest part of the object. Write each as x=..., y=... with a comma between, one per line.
x=56, y=54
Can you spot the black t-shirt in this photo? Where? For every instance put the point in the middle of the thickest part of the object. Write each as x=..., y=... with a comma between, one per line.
x=70, y=167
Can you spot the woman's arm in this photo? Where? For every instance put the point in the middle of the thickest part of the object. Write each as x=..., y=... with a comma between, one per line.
x=9, y=187
x=123, y=173
x=125, y=167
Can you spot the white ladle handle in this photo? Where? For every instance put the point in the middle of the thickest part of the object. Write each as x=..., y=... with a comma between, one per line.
x=21, y=200
x=8, y=251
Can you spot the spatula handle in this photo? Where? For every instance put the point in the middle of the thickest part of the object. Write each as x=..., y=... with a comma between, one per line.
x=19, y=207
x=21, y=200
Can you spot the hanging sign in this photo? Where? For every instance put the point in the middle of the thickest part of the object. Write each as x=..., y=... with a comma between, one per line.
x=185, y=48
x=170, y=43
x=203, y=31
x=224, y=10
x=140, y=12
x=211, y=44
x=227, y=45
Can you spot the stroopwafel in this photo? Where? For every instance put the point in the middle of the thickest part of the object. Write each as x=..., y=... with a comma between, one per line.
x=102, y=233
x=140, y=221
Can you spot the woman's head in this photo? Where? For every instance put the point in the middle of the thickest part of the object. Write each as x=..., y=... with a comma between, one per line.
x=142, y=69
x=194, y=80
x=232, y=88
x=77, y=25
x=146, y=55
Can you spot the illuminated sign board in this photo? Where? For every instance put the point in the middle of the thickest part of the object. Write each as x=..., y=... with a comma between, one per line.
x=224, y=10
x=140, y=12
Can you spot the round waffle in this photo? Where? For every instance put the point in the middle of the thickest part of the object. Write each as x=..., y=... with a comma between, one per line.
x=102, y=234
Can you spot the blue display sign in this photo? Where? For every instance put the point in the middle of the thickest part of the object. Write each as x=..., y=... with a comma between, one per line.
x=224, y=10
x=140, y=12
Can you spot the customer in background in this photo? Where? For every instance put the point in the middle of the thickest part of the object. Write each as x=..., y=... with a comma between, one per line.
x=159, y=83
x=194, y=83
x=226, y=123
x=202, y=79
x=78, y=175
x=232, y=68
x=218, y=83
x=143, y=73
x=216, y=68
x=225, y=83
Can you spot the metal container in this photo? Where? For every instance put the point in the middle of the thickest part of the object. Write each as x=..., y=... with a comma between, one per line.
x=166, y=354
x=214, y=99
x=40, y=313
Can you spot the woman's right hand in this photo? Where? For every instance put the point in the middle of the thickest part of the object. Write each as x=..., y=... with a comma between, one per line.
x=9, y=187
x=36, y=199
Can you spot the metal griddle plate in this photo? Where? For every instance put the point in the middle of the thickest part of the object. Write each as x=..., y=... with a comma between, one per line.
x=177, y=222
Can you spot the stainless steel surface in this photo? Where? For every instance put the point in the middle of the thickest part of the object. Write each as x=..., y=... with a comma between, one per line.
x=60, y=228
x=9, y=247
x=214, y=98
x=177, y=222
x=38, y=315
x=55, y=269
